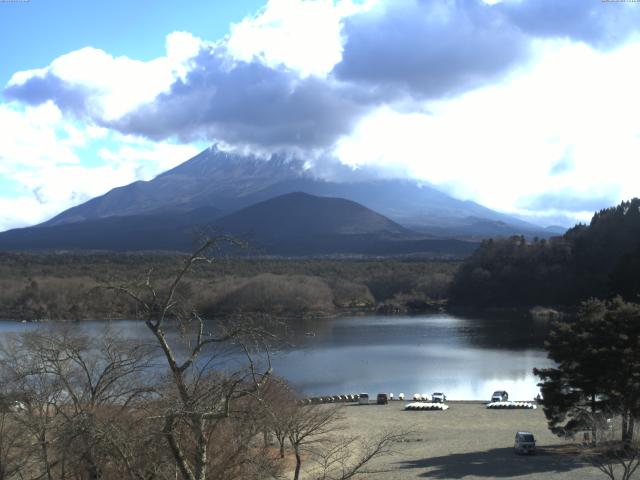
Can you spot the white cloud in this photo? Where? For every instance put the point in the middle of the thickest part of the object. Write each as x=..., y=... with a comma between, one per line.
x=30, y=137
x=304, y=36
x=498, y=145
x=117, y=85
x=22, y=211
x=181, y=48
x=39, y=159
x=147, y=159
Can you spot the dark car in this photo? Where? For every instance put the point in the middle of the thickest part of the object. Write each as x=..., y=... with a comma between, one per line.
x=382, y=399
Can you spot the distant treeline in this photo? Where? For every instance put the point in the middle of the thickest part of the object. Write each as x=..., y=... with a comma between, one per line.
x=600, y=260
x=66, y=286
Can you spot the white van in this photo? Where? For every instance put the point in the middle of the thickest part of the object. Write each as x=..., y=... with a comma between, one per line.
x=363, y=399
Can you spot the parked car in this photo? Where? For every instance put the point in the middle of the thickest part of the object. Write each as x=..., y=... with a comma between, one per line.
x=363, y=399
x=438, y=397
x=499, y=396
x=524, y=443
x=382, y=399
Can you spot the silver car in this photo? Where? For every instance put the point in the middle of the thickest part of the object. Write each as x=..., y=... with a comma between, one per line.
x=524, y=443
x=500, y=396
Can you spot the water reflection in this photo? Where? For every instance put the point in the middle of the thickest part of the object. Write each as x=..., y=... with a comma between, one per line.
x=466, y=357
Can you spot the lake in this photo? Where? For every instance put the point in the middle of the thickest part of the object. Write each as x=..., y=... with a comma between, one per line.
x=466, y=357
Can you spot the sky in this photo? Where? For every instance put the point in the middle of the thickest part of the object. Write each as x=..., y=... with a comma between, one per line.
x=529, y=107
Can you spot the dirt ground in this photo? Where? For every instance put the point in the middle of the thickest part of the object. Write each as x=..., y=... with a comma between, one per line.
x=468, y=441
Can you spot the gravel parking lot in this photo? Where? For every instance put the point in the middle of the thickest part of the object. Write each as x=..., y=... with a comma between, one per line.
x=467, y=441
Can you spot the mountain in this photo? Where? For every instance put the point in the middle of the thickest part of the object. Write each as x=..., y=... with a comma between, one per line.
x=301, y=214
x=161, y=231
x=212, y=178
x=302, y=224
x=290, y=224
x=229, y=182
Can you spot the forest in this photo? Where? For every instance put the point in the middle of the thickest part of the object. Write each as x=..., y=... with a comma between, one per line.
x=71, y=286
x=599, y=260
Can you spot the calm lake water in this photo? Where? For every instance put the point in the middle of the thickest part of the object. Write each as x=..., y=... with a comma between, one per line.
x=465, y=357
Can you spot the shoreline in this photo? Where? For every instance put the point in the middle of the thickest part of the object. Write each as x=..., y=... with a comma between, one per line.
x=549, y=313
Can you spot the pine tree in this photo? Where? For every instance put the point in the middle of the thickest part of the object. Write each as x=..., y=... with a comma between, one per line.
x=598, y=366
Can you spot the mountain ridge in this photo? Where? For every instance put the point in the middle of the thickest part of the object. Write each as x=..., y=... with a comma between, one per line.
x=230, y=182
x=292, y=224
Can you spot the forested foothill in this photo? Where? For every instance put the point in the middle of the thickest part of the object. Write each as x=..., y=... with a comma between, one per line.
x=599, y=260
x=68, y=286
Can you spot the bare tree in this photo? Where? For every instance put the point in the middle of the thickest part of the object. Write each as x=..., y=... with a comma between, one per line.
x=24, y=376
x=13, y=441
x=199, y=399
x=348, y=456
x=313, y=431
x=279, y=406
x=309, y=427
x=615, y=457
x=75, y=390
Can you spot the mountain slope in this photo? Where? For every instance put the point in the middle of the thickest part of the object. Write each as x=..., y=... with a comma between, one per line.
x=301, y=214
x=292, y=224
x=229, y=182
x=161, y=231
x=210, y=179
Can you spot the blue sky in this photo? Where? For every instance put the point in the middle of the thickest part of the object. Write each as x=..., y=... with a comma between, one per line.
x=41, y=30
x=526, y=106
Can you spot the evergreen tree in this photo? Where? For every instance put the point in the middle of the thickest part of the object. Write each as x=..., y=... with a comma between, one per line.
x=599, y=260
x=598, y=366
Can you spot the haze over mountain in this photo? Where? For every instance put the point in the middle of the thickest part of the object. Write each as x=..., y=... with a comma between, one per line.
x=229, y=182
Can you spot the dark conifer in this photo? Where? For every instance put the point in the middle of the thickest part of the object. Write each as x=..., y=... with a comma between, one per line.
x=598, y=366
